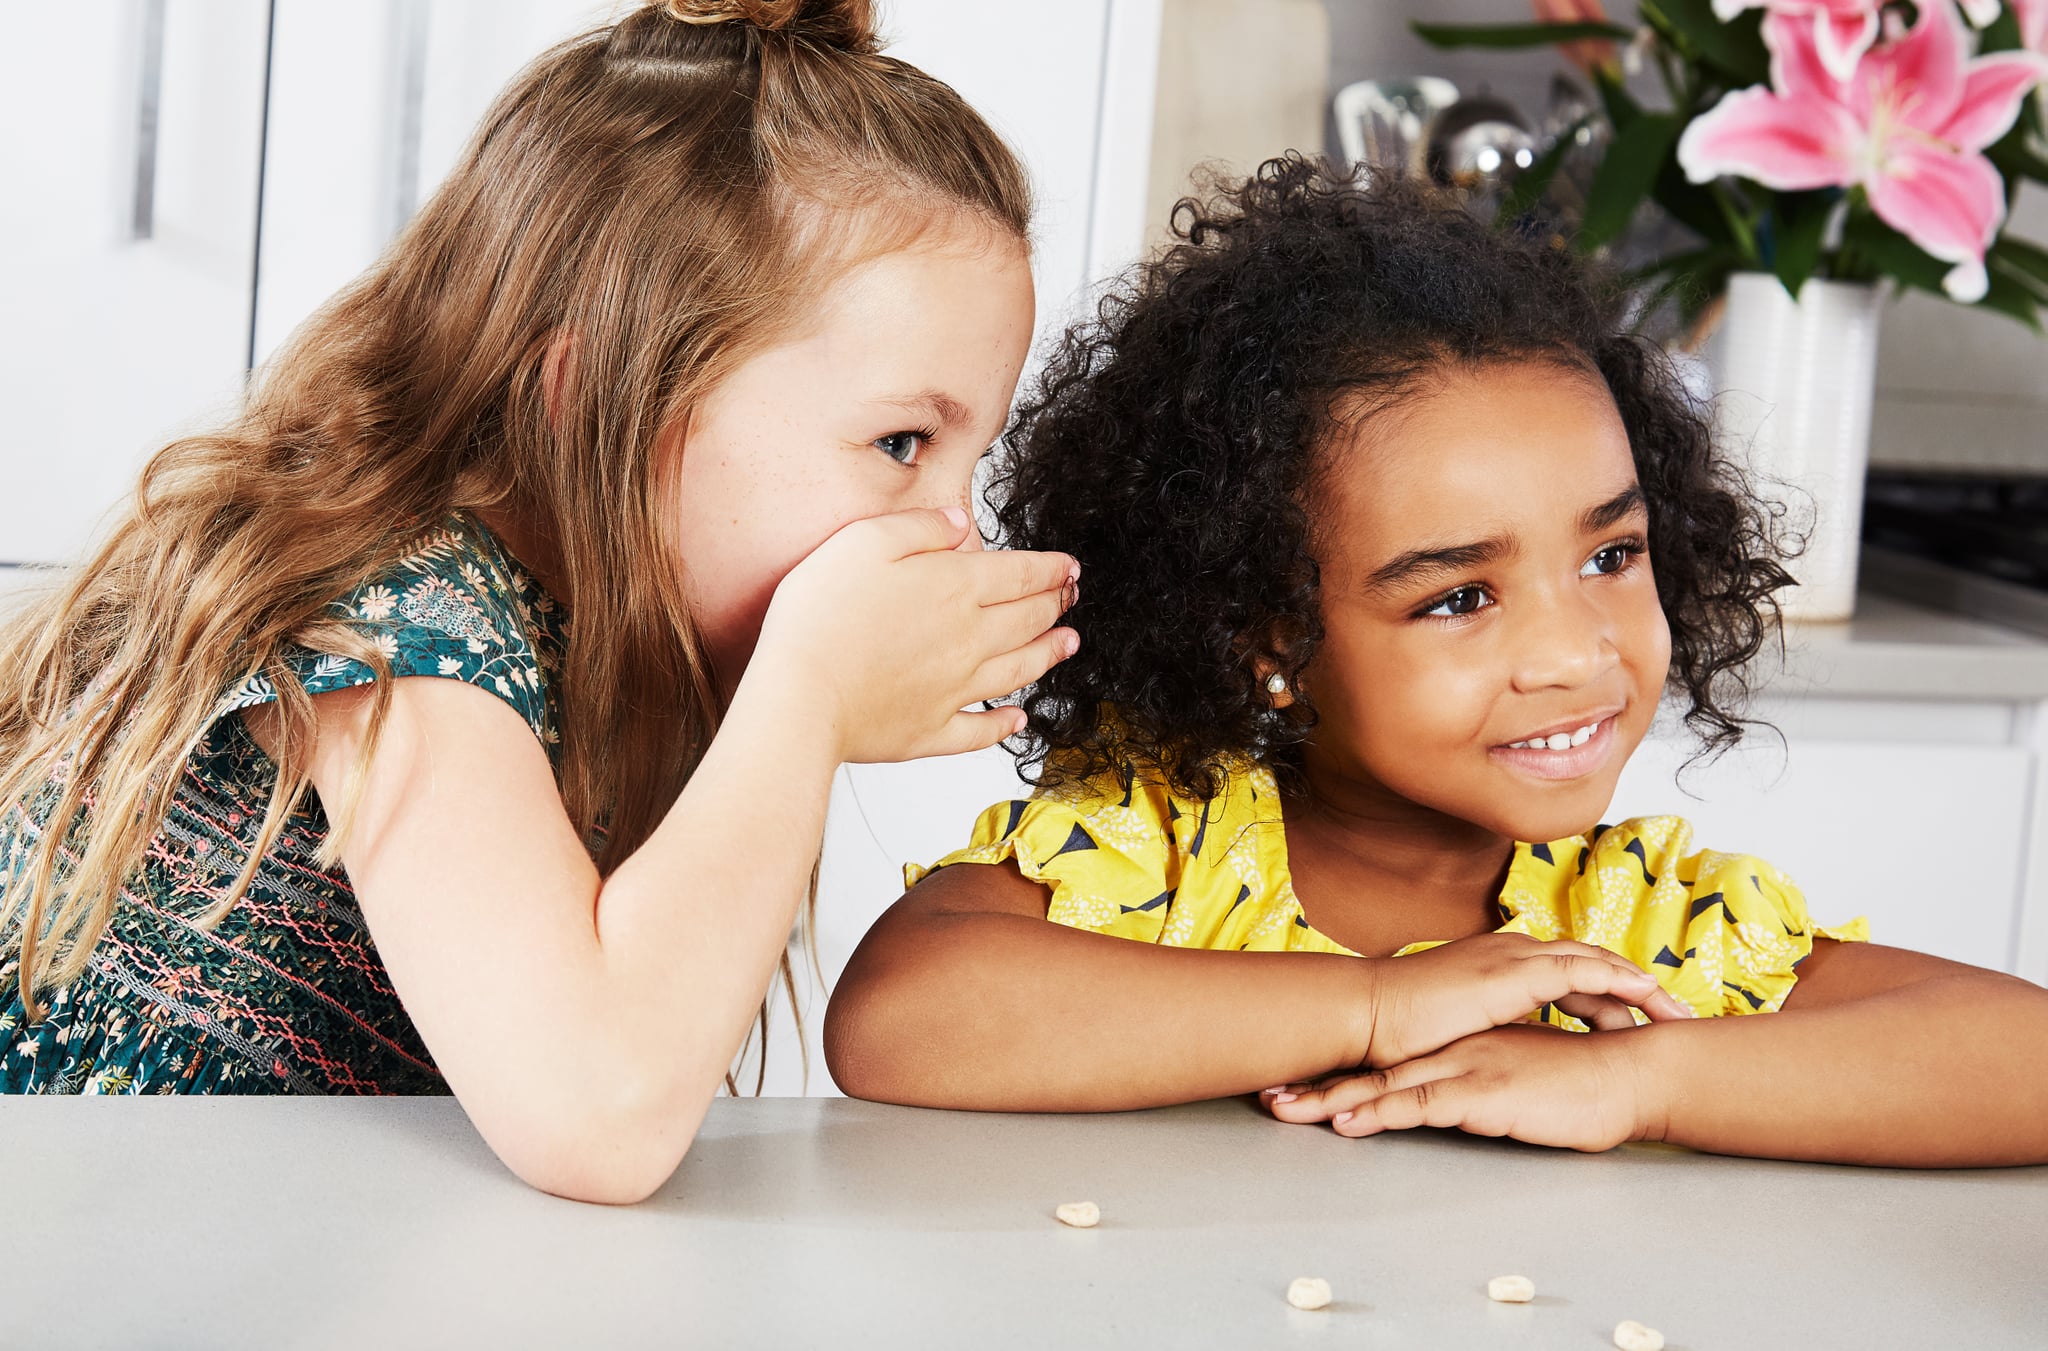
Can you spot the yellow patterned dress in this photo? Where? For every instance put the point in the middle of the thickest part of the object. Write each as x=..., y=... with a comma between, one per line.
x=1124, y=856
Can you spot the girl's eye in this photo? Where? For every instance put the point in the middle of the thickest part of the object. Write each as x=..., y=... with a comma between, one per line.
x=903, y=447
x=1464, y=601
x=1610, y=560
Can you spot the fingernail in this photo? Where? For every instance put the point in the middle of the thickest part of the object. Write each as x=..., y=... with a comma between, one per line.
x=1071, y=643
x=1340, y=1118
x=1073, y=570
x=1284, y=1097
x=956, y=515
x=1269, y=1092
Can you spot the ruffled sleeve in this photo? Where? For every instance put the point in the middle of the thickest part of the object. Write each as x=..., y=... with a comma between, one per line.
x=1108, y=860
x=1725, y=933
x=455, y=608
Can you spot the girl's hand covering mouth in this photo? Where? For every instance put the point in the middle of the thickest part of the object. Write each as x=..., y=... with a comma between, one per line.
x=895, y=629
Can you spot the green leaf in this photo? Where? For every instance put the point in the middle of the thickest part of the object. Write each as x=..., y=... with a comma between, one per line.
x=1890, y=253
x=1534, y=180
x=1798, y=221
x=2012, y=296
x=1511, y=35
x=1735, y=48
x=1693, y=279
x=1635, y=155
x=2028, y=259
x=1893, y=254
x=1691, y=204
x=2016, y=157
x=2002, y=34
x=1622, y=109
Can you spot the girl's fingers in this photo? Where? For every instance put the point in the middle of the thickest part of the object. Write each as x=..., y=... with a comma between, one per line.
x=1550, y=976
x=976, y=731
x=1014, y=623
x=1635, y=985
x=1012, y=671
x=1325, y=1101
x=925, y=530
x=1603, y=1013
x=1011, y=574
x=1440, y=1100
x=1664, y=1006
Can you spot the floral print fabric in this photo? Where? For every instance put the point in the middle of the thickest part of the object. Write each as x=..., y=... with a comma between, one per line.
x=286, y=994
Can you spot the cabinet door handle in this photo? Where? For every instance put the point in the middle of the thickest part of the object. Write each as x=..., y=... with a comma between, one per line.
x=408, y=111
x=149, y=96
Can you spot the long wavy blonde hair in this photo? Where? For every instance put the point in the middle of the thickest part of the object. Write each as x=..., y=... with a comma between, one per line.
x=667, y=189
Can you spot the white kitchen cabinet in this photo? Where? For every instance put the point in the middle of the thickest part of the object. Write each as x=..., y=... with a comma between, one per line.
x=373, y=104
x=132, y=139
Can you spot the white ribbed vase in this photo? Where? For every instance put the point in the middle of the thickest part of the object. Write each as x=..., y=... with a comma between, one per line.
x=1795, y=381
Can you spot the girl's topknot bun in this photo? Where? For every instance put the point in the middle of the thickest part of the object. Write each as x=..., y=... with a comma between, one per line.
x=848, y=25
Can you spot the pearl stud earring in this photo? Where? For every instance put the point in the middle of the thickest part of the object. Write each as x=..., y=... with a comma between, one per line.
x=1276, y=683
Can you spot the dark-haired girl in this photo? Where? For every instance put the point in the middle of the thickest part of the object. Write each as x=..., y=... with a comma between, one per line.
x=1395, y=542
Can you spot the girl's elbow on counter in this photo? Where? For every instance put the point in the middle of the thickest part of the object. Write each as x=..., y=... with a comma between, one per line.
x=614, y=1144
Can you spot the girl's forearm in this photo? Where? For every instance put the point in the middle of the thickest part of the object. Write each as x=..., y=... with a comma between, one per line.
x=1947, y=1072
x=690, y=928
x=1006, y=1012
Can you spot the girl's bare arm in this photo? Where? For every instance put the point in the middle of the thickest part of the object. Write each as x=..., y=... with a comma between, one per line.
x=585, y=1023
x=1881, y=1056
x=966, y=995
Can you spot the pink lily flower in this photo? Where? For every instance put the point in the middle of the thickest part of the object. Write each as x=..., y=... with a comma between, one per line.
x=2033, y=17
x=1843, y=30
x=1908, y=128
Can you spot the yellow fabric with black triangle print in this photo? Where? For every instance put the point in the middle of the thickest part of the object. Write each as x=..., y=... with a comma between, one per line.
x=1123, y=856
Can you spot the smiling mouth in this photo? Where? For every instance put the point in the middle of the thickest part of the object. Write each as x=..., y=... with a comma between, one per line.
x=1562, y=754
x=1558, y=741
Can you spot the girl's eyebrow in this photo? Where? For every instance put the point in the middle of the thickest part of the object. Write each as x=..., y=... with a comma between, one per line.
x=931, y=405
x=1417, y=564
x=1613, y=511
x=1406, y=568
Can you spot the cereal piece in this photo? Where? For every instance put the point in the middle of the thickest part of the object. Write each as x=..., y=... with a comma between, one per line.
x=1078, y=1214
x=1511, y=1289
x=1630, y=1335
x=1308, y=1292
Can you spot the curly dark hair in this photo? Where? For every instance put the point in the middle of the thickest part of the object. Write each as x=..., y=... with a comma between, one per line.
x=1170, y=442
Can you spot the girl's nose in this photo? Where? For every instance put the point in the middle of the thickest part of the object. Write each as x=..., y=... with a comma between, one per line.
x=1562, y=645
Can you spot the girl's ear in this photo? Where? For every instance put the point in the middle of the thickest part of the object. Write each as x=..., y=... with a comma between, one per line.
x=557, y=370
x=1267, y=672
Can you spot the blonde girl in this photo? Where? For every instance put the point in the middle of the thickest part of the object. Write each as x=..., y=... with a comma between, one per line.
x=461, y=717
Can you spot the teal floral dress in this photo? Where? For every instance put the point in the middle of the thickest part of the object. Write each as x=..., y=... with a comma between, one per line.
x=286, y=994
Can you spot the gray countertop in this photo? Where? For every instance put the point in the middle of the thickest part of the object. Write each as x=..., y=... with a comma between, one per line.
x=1900, y=649
x=168, y=1223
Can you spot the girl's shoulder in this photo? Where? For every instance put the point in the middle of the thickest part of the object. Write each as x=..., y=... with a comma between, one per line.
x=1122, y=853
x=1725, y=932
x=453, y=605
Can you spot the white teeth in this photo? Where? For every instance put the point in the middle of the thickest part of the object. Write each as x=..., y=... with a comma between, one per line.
x=1556, y=741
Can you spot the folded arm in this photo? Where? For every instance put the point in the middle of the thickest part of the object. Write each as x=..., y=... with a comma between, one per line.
x=966, y=995
x=1880, y=1056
